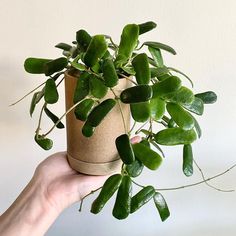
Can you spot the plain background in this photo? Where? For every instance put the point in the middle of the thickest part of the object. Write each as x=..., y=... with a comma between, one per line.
x=203, y=32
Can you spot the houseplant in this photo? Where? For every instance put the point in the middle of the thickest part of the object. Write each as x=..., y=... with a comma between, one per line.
x=94, y=67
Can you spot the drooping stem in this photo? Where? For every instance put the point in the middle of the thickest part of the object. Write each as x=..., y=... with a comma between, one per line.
x=208, y=184
x=40, y=119
x=121, y=111
x=28, y=94
x=126, y=77
x=82, y=200
x=132, y=128
x=137, y=131
x=59, y=120
x=199, y=182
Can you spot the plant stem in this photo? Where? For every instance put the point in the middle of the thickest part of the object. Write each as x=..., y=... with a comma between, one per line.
x=40, y=119
x=126, y=77
x=121, y=111
x=27, y=94
x=137, y=131
x=209, y=185
x=92, y=192
x=199, y=182
x=132, y=128
x=68, y=111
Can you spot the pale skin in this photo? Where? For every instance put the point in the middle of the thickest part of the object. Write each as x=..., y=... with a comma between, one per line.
x=54, y=187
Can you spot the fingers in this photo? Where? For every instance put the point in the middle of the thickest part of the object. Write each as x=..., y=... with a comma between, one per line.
x=136, y=139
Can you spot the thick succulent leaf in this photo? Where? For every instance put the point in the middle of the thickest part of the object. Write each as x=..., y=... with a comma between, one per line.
x=54, y=118
x=140, y=111
x=162, y=46
x=35, y=65
x=147, y=26
x=161, y=206
x=50, y=93
x=156, y=55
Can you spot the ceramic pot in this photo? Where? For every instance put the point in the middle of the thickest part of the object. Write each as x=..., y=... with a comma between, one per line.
x=96, y=155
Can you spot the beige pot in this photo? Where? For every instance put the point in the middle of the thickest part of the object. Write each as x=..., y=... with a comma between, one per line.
x=96, y=155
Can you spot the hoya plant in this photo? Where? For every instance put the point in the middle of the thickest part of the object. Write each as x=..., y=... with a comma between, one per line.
x=156, y=95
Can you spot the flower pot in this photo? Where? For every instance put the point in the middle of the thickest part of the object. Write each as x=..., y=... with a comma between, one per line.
x=96, y=155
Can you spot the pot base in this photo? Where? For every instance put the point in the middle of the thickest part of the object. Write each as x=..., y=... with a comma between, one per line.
x=106, y=168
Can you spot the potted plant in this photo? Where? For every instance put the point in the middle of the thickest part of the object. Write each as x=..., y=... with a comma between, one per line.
x=105, y=82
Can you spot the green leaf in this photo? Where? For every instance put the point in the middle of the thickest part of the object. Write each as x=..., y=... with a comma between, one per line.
x=78, y=66
x=128, y=42
x=121, y=208
x=97, y=87
x=54, y=118
x=55, y=65
x=141, y=152
x=197, y=127
x=181, y=117
x=109, y=73
x=83, y=109
x=141, y=198
x=207, y=97
x=197, y=106
x=128, y=70
x=35, y=99
x=181, y=96
x=64, y=46
x=87, y=130
x=99, y=112
x=124, y=149
x=157, y=108
x=44, y=143
x=158, y=72
x=95, y=51
x=165, y=87
x=140, y=111
x=161, y=206
x=35, y=65
x=50, y=94
x=141, y=68
x=136, y=94
x=156, y=55
x=187, y=160
x=82, y=87
x=162, y=46
x=175, y=136
x=147, y=26
x=109, y=188
x=135, y=169
x=83, y=39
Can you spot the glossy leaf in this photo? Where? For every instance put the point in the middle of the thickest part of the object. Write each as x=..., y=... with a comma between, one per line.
x=207, y=97
x=157, y=108
x=197, y=106
x=180, y=116
x=121, y=208
x=83, y=39
x=141, y=68
x=147, y=156
x=125, y=149
x=128, y=42
x=162, y=46
x=35, y=99
x=157, y=72
x=82, y=87
x=54, y=118
x=64, y=46
x=147, y=26
x=55, y=65
x=156, y=55
x=109, y=73
x=96, y=49
x=181, y=96
x=97, y=87
x=197, y=127
x=175, y=136
x=50, y=93
x=161, y=206
x=83, y=109
x=136, y=94
x=135, y=169
x=109, y=188
x=87, y=130
x=141, y=198
x=44, y=143
x=140, y=111
x=99, y=112
x=35, y=65
x=187, y=160
x=166, y=86
x=78, y=66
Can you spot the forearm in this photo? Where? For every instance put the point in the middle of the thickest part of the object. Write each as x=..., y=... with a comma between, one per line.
x=30, y=214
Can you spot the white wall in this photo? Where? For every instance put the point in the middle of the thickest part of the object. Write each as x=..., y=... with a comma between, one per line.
x=204, y=34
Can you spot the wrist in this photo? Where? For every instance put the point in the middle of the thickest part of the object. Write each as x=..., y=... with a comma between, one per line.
x=30, y=214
